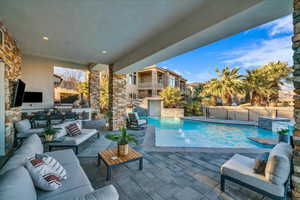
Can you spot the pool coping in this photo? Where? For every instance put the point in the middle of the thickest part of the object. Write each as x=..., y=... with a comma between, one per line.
x=149, y=145
x=221, y=121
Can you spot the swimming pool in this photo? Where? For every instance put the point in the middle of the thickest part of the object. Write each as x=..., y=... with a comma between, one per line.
x=172, y=132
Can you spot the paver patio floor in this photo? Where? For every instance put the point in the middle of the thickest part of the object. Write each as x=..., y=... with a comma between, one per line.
x=169, y=175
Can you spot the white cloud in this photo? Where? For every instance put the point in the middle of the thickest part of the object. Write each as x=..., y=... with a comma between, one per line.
x=182, y=73
x=280, y=26
x=277, y=49
x=283, y=25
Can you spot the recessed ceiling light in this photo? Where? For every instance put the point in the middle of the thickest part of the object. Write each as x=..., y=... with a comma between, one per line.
x=103, y=52
x=45, y=38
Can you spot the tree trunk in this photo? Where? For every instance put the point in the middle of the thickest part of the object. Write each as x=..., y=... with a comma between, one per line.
x=255, y=100
x=213, y=100
x=247, y=97
x=226, y=100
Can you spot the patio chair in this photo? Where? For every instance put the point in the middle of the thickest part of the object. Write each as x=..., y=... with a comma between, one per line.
x=141, y=111
x=273, y=183
x=70, y=116
x=55, y=117
x=135, y=122
x=40, y=119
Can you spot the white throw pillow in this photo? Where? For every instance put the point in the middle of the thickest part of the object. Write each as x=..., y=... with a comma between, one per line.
x=61, y=132
x=43, y=175
x=54, y=164
x=278, y=166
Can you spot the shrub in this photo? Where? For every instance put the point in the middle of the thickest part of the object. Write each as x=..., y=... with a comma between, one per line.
x=193, y=108
x=172, y=97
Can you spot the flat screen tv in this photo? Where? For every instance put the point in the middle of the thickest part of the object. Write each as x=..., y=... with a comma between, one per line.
x=33, y=97
x=18, y=94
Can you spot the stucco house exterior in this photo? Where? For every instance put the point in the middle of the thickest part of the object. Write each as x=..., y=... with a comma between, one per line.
x=151, y=80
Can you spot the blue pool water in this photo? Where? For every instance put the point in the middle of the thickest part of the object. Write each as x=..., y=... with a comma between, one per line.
x=172, y=132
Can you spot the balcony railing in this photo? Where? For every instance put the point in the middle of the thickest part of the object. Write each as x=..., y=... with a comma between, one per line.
x=150, y=85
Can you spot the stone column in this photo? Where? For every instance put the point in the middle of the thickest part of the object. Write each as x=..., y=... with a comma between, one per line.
x=10, y=54
x=296, y=134
x=166, y=79
x=154, y=82
x=117, y=99
x=94, y=90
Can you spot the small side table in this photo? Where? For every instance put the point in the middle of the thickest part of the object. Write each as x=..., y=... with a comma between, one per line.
x=107, y=155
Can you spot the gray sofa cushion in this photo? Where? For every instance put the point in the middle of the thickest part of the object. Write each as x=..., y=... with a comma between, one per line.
x=76, y=140
x=76, y=181
x=23, y=125
x=278, y=165
x=29, y=132
x=15, y=161
x=68, y=194
x=108, y=193
x=64, y=157
x=16, y=184
x=31, y=146
x=241, y=168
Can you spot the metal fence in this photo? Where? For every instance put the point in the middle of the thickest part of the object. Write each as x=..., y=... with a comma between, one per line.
x=247, y=113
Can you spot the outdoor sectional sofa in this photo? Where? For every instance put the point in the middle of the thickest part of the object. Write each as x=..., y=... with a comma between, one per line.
x=274, y=183
x=16, y=183
x=61, y=140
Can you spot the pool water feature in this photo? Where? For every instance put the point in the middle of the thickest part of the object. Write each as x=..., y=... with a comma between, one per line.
x=173, y=132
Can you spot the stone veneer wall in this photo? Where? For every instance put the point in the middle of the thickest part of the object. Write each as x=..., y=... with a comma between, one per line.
x=296, y=134
x=11, y=56
x=172, y=112
x=94, y=90
x=117, y=99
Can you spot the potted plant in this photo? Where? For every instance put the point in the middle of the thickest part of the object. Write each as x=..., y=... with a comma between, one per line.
x=123, y=139
x=49, y=133
x=283, y=135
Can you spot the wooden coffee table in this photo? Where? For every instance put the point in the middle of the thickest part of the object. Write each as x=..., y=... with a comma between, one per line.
x=107, y=155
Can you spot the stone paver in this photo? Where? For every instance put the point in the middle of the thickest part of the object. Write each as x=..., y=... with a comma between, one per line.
x=170, y=175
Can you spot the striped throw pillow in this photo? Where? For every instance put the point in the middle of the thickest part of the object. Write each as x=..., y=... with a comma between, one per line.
x=43, y=175
x=73, y=129
x=54, y=164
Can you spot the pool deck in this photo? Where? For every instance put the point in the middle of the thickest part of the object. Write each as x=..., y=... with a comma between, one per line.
x=222, y=121
x=149, y=145
x=170, y=176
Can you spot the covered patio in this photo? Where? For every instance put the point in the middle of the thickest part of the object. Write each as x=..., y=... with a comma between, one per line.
x=123, y=37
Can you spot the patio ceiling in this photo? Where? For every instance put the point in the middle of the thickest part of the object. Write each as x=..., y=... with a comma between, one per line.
x=134, y=33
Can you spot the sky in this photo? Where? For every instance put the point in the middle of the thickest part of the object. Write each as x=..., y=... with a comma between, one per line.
x=249, y=49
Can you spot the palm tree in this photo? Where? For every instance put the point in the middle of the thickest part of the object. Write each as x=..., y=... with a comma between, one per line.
x=212, y=89
x=263, y=83
x=227, y=85
x=277, y=73
x=256, y=87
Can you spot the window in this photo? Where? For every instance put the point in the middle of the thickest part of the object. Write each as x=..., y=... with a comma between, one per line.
x=132, y=78
x=160, y=79
x=132, y=96
x=172, y=81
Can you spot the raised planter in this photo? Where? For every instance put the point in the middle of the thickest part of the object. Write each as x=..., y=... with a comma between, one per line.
x=172, y=112
x=270, y=123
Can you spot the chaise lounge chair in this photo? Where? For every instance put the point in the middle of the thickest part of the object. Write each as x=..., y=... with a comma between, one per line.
x=135, y=122
x=273, y=183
